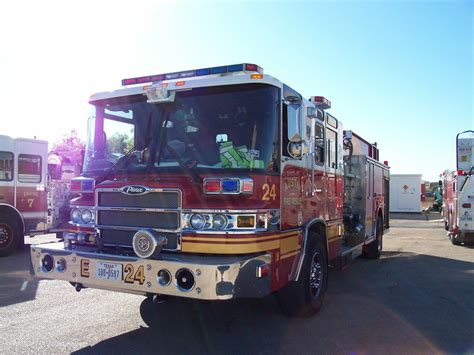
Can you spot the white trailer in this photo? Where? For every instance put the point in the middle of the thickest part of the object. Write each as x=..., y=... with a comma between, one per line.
x=405, y=193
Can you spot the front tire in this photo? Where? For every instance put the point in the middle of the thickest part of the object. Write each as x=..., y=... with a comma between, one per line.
x=305, y=297
x=10, y=233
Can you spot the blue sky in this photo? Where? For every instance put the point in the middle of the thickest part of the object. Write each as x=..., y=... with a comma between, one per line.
x=397, y=72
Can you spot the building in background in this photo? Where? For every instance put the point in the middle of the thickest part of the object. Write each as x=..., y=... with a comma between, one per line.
x=405, y=193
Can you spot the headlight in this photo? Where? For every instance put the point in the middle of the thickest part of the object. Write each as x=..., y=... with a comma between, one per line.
x=197, y=221
x=76, y=215
x=219, y=221
x=86, y=216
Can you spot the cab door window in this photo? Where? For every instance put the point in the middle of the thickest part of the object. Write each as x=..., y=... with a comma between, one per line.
x=29, y=168
x=331, y=143
x=6, y=166
x=319, y=144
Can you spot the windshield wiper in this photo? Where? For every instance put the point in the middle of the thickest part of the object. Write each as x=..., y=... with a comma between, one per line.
x=123, y=160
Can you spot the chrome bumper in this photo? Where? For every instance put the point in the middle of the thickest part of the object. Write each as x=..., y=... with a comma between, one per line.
x=215, y=277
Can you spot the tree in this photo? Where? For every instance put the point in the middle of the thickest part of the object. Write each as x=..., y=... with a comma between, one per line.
x=69, y=147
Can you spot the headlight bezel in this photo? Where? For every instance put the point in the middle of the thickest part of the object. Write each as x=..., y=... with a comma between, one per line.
x=82, y=215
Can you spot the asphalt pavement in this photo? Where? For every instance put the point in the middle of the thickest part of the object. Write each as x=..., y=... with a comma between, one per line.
x=417, y=298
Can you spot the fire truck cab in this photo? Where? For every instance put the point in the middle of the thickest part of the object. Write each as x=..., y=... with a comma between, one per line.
x=218, y=183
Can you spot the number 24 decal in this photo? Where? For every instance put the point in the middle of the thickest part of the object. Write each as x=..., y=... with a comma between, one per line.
x=268, y=192
x=131, y=276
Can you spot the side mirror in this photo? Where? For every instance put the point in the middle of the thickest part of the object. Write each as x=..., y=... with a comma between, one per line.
x=440, y=183
x=295, y=124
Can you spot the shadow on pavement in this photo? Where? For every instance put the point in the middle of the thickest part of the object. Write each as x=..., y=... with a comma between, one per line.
x=402, y=303
x=17, y=285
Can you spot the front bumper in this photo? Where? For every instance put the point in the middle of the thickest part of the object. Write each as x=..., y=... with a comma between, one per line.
x=215, y=277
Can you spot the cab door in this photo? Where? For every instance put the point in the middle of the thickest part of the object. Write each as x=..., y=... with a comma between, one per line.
x=31, y=181
x=369, y=199
x=319, y=195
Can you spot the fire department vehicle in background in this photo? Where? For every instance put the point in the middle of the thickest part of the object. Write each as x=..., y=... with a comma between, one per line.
x=31, y=200
x=218, y=183
x=458, y=192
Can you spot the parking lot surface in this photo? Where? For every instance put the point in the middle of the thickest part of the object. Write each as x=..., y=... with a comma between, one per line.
x=417, y=298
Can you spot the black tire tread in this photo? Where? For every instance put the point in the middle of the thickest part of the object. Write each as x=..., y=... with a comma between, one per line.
x=13, y=221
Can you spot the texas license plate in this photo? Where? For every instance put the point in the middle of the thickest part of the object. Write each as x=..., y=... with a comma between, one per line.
x=109, y=271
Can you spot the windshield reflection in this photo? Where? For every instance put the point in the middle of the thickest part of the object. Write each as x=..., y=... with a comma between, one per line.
x=229, y=127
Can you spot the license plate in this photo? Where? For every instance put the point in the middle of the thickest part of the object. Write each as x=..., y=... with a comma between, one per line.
x=108, y=271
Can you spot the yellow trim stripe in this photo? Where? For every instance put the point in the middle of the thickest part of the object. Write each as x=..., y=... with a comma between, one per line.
x=230, y=248
x=286, y=256
x=237, y=239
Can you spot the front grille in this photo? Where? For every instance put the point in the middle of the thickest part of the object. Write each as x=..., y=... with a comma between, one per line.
x=120, y=216
x=139, y=219
x=163, y=199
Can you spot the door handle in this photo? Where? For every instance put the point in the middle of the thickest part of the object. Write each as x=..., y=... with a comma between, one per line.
x=318, y=190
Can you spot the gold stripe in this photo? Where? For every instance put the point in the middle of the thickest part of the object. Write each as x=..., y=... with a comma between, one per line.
x=288, y=244
x=237, y=239
x=289, y=255
x=230, y=249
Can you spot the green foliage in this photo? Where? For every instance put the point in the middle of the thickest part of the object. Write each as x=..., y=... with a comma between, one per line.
x=119, y=143
x=69, y=146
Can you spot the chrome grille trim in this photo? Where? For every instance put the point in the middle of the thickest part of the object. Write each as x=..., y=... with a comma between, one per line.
x=178, y=230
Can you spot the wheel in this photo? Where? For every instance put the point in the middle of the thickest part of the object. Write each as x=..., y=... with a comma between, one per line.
x=453, y=240
x=305, y=296
x=10, y=233
x=374, y=249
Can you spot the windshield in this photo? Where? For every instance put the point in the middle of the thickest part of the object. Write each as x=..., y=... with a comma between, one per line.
x=227, y=127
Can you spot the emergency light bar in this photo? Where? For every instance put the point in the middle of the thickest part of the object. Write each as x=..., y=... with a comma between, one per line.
x=193, y=73
x=321, y=102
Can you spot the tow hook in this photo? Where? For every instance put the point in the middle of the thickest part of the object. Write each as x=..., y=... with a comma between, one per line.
x=78, y=287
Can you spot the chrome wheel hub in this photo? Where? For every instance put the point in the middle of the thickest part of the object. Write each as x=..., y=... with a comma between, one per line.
x=315, y=276
x=5, y=234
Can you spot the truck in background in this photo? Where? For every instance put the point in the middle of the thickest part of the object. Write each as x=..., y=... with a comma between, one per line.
x=458, y=192
x=32, y=201
x=218, y=183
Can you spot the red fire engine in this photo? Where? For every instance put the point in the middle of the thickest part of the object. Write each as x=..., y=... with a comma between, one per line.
x=31, y=201
x=458, y=193
x=218, y=183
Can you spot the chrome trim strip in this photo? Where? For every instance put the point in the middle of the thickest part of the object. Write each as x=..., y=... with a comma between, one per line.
x=105, y=226
x=303, y=251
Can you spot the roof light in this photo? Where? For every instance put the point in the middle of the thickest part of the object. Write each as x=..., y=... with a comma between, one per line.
x=219, y=70
x=247, y=185
x=212, y=186
x=193, y=73
x=256, y=76
x=235, y=67
x=82, y=184
x=179, y=83
x=230, y=186
x=201, y=72
x=321, y=102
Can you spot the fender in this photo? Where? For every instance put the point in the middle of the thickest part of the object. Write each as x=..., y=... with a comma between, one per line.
x=307, y=226
x=17, y=212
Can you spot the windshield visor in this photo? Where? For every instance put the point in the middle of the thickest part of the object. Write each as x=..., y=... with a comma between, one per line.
x=227, y=127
